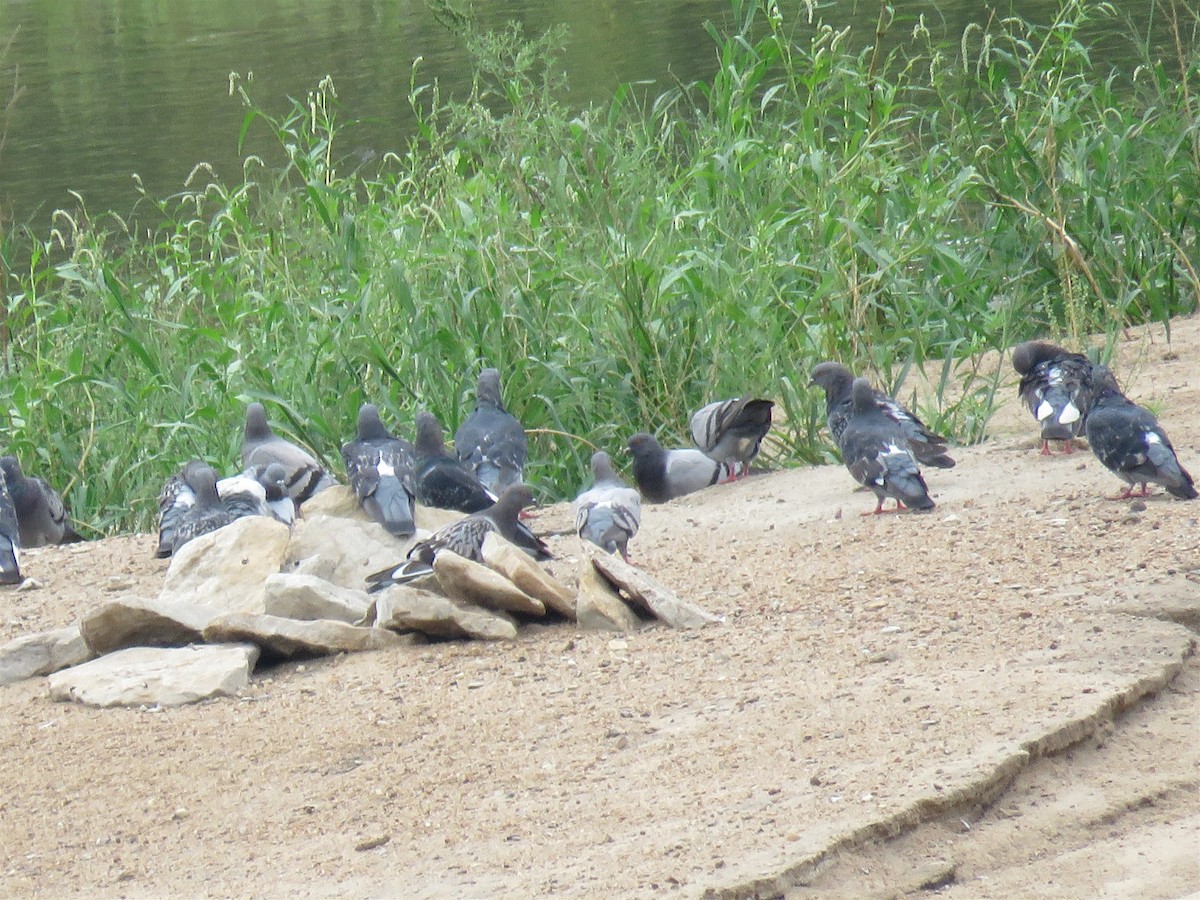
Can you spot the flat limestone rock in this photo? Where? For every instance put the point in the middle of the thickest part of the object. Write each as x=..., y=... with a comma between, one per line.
x=341, y=502
x=463, y=579
x=153, y=676
x=599, y=607
x=649, y=594
x=523, y=571
x=307, y=597
x=42, y=653
x=280, y=638
x=402, y=607
x=227, y=569
x=138, y=622
x=343, y=551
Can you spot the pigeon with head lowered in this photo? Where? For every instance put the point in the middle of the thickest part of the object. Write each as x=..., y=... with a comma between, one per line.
x=465, y=537
x=730, y=431
x=1056, y=386
x=273, y=479
x=442, y=481
x=490, y=441
x=262, y=446
x=876, y=452
x=663, y=475
x=42, y=519
x=204, y=513
x=380, y=467
x=1128, y=440
x=609, y=512
x=10, y=538
x=929, y=448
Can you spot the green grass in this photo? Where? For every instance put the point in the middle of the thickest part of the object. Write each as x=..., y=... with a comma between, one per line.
x=623, y=264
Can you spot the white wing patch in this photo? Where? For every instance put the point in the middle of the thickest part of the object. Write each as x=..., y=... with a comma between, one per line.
x=1070, y=414
x=385, y=468
x=1044, y=411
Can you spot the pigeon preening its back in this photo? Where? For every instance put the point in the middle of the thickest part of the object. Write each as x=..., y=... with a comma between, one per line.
x=609, y=512
x=42, y=519
x=442, y=481
x=273, y=479
x=663, y=475
x=1056, y=385
x=262, y=446
x=380, y=467
x=465, y=537
x=490, y=441
x=877, y=453
x=731, y=431
x=10, y=537
x=929, y=448
x=203, y=511
x=1128, y=440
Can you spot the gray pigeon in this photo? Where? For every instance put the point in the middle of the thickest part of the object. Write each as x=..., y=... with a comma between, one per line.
x=442, y=481
x=205, y=513
x=273, y=479
x=929, y=448
x=730, y=431
x=663, y=475
x=490, y=441
x=876, y=451
x=1056, y=386
x=465, y=537
x=10, y=538
x=42, y=519
x=380, y=466
x=259, y=491
x=262, y=446
x=609, y=512
x=1129, y=441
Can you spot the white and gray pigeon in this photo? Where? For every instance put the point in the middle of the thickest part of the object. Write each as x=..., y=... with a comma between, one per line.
x=609, y=512
x=465, y=537
x=490, y=441
x=262, y=446
x=1128, y=440
x=380, y=466
x=10, y=538
x=876, y=451
x=273, y=479
x=928, y=447
x=731, y=431
x=442, y=481
x=663, y=475
x=204, y=513
x=42, y=519
x=1056, y=386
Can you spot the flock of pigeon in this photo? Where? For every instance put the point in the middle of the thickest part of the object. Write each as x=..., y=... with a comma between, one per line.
x=882, y=443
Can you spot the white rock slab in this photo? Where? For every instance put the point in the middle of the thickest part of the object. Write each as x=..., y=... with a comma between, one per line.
x=42, y=653
x=341, y=550
x=280, y=638
x=297, y=596
x=405, y=608
x=138, y=622
x=227, y=569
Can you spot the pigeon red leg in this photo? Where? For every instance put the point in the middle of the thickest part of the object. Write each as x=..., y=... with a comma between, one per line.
x=1046, y=448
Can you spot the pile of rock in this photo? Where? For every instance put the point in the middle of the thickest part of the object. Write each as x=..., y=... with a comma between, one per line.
x=257, y=591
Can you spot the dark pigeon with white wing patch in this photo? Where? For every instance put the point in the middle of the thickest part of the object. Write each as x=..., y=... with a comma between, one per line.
x=876, y=452
x=259, y=491
x=490, y=441
x=206, y=511
x=442, y=481
x=262, y=446
x=1128, y=440
x=42, y=518
x=663, y=475
x=609, y=512
x=380, y=466
x=731, y=431
x=1056, y=385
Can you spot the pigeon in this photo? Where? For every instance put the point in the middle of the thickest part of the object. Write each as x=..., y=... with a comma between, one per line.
x=1056, y=386
x=730, y=431
x=1129, y=441
x=663, y=475
x=42, y=518
x=836, y=379
x=442, y=481
x=273, y=479
x=876, y=451
x=204, y=513
x=609, y=512
x=380, y=466
x=10, y=539
x=490, y=441
x=465, y=537
x=262, y=446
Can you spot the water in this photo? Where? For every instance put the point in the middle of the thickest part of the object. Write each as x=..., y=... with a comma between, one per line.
x=114, y=88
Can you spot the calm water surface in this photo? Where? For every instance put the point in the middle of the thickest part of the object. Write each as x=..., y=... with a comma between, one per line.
x=118, y=87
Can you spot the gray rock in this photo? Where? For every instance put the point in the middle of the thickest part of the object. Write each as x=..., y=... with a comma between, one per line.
x=42, y=653
x=347, y=550
x=599, y=606
x=341, y=502
x=520, y=568
x=405, y=608
x=469, y=581
x=137, y=622
x=657, y=600
x=227, y=569
x=155, y=676
x=307, y=597
x=280, y=638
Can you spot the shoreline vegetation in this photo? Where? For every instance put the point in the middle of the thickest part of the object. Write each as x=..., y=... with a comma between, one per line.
x=624, y=264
